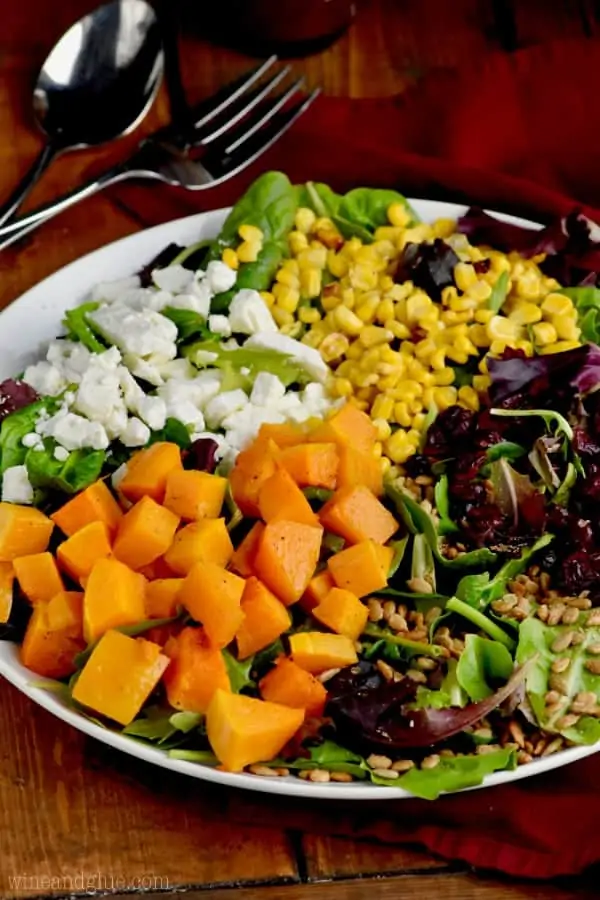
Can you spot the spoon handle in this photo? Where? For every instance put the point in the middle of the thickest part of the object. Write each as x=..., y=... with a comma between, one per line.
x=40, y=165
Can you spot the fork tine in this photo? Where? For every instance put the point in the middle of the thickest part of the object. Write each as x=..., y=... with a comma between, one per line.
x=265, y=114
x=250, y=101
x=213, y=106
x=225, y=164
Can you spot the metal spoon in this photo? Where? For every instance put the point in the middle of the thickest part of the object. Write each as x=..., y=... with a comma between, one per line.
x=96, y=85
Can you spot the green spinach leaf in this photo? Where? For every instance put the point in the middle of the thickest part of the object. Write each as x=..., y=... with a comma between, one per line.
x=238, y=671
x=78, y=471
x=12, y=431
x=483, y=666
x=79, y=328
x=499, y=293
x=455, y=773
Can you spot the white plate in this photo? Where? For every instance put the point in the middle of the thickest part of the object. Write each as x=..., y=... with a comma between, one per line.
x=33, y=320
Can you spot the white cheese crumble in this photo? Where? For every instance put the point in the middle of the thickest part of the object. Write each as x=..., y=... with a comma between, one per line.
x=16, y=487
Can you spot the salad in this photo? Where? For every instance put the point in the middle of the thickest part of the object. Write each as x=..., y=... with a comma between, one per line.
x=319, y=497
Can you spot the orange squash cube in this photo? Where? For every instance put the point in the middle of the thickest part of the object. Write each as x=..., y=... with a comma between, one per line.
x=204, y=541
x=386, y=555
x=195, y=495
x=148, y=470
x=23, y=531
x=357, y=515
x=360, y=569
x=77, y=555
x=7, y=580
x=252, y=468
x=316, y=652
x=242, y=560
x=347, y=425
x=281, y=498
x=286, y=434
x=162, y=598
x=196, y=671
x=54, y=636
x=290, y=685
x=342, y=611
x=213, y=597
x=114, y=596
x=145, y=532
x=242, y=730
x=94, y=504
x=119, y=676
x=286, y=559
x=317, y=589
x=311, y=465
x=357, y=467
x=38, y=577
x=266, y=618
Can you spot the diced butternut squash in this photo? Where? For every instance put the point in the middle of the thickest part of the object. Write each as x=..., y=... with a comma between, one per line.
x=195, y=495
x=290, y=685
x=78, y=554
x=342, y=611
x=196, y=671
x=162, y=634
x=119, y=676
x=162, y=598
x=357, y=515
x=252, y=468
x=281, y=498
x=38, y=577
x=287, y=434
x=54, y=636
x=94, y=504
x=348, y=425
x=204, y=541
x=7, y=580
x=286, y=558
x=145, y=532
x=311, y=465
x=148, y=470
x=157, y=569
x=242, y=560
x=23, y=531
x=386, y=555
x=316, y=652
x=266, y=618
x=242, y=730
x=357, y=467
x=317, y=589
x=213, y=597
x=114, y=595
x=360, y=569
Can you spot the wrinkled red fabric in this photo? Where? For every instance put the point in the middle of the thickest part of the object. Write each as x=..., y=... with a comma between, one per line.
x=518, y=133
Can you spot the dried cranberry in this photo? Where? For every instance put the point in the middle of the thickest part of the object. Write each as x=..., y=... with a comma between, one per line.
x=428, y=266
x=468, y=491
x=15, y=395
x=482, y=266
x=202, y=455
x=448, y=434
x=417, y=465
x=579, y=572
x=584, y=444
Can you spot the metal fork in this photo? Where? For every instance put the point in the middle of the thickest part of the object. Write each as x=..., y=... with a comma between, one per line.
x=228, y=132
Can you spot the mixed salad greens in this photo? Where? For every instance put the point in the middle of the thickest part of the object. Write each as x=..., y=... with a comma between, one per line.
x=482, y=649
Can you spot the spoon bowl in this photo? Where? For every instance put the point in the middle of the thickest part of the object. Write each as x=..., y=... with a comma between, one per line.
x=96, y=85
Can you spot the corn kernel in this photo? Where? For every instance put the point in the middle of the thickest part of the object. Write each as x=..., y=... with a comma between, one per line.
x=382, y=425
x=425, y=349
x=251, y=233
x=556, y=305
x=377, y=449
x=445, y=397
x=449, y=295
x=297, y=241
x=285, y=276
x=525, y=313
x=558, y=347
x=415, y=407
x=286, y=297
x=368, y=307
x=293, y=330
x=427, y=397
x=528, y=286
x=525, y=346
x=268, y=298
x=384, y=310
x=334, y=346
x=444, y=377
x=463, y=304
x=401, y=291
x=438, y=360
x=351, y=247
x=347, y=321
x=419, y=421
x=413, y=437
x=498, y=347
x=354, y=351
x=464, y=345
x=449, y=317
x=385, y=465
x=483, y=316
x=343, y=387
x=385, y=283
x=372, y=335
x=483, y=366
x=501, y=328
x=550, y=284
x=544, y=333
x=415, y=370
x=499, y=262
x=398, y=215
x=415, y=235
x=308, y=315
x=428, y=380
x=388, y=233
x=398, y=329
x=443, y=228
x=359, y=404
x=468, y=397
x=304, y=219
x=337, y=264
x=402, y=414
x=248, y=251
x=362, y=277
x=457, y=356
x=370, y=256
x=282, y=316
x=230, y=258
x=349, y=298
x=464, y=276
x=310, y=283
x=408, y=387
x=314, y=257
x=367, y=393
x=566, y=328
x=481, y=383
x=369, y=359
x=478, y=336
x=417, y=305
x=363, y=380
x=397, y=447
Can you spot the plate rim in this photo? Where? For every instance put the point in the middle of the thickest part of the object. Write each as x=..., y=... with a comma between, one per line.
x=24, y=680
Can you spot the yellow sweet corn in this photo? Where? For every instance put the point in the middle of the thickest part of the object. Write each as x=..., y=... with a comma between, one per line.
x=367, y=306
x=502, y=329
x=444, y=377
x=384, y=310
x=282, y=316
x=286, y=276
x=481, y=383
x=525, y=313
x=398, y=448
x=251, y=233
x=342, y=387
x=558, y=347
x=230, y=258
x=297, y=241
x=402, y=414
x=334, y=346
x=388, y=233
x=444, y=397
x=310, y=282
x=347, y=321
x=566, y=328
x=308, y=315
x=268, y=298
x=337, y=264
x=304, y=219
x=383, y=427
x=286, y=297
x=248, y=251
x=398, y=215
x=556, y=305
x=544, y=334
x=469, y=397
x=464, y=276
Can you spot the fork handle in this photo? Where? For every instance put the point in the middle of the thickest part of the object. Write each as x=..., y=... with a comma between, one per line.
x=44, y=158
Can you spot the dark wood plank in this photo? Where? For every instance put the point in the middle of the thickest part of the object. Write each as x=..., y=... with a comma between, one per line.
x=333, y=857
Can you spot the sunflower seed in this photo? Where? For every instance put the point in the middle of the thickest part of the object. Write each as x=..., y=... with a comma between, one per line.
x=563, y=641
x=386, y=773
x=561, y=665
x=402, y=765
x=593, y=666
x=567, y=721
x=377, y=761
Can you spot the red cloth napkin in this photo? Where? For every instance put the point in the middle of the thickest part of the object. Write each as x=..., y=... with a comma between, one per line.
x=518, y=133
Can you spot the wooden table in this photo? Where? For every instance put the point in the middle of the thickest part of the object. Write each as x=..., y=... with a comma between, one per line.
x=74, y=815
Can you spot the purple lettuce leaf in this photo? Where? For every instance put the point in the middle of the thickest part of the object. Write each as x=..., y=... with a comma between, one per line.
x=202, y=455
x=429, y=266
x=15, y=395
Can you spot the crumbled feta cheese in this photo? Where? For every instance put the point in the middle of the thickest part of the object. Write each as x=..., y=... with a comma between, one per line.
x=112, y=290
x=141, y=299
x=223, y=405
x=16, y=487
x=204, y=357
x=32, y=440
x=219, y=325
x=148, y=370
x=309, y=358
x=70, y=358
x=60, y=454
x=74, y=432
x=180, y=369
x=249, y=314
x=174, y=279
x=267, y=390
x=185, y=411
x=99, y=394
x=45, y=378
x=116, y=422
x=153, y=411
x=219, y=277
x=138, y=333
x=136, y=434
x=243, y=425
x=199, y=390
x=132, y=392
